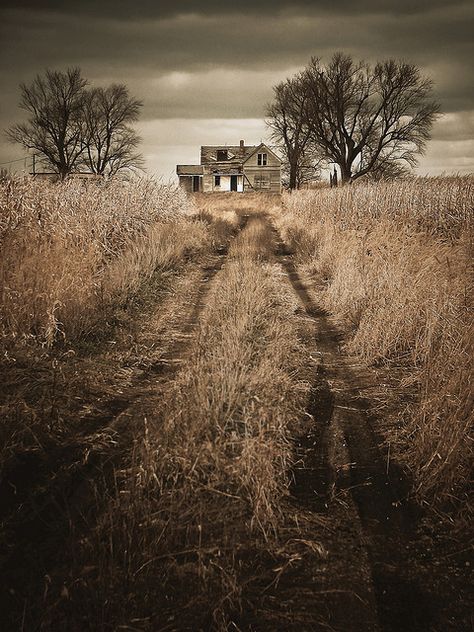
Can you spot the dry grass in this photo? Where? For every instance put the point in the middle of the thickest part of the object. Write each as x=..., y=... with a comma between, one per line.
x=193, y=520
x=203, y=499
x=220, y=214
x=229, y=204
x=70, y=251
x=394, y=263
x=73, y=256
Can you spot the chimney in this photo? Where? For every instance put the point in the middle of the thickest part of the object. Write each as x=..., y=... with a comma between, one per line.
x=241, y=144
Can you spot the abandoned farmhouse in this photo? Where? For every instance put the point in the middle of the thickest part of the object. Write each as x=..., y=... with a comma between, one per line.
x=233, y=168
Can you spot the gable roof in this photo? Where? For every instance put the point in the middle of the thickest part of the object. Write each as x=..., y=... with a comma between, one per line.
x=258, y=148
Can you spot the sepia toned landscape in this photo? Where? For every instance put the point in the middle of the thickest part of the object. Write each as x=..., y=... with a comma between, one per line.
x=237, y=411
x=236, y=317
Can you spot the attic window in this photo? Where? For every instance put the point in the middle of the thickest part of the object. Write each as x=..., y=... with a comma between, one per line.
x=262, y=160
x=222, y=154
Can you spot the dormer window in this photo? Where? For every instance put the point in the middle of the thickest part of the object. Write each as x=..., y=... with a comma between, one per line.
x=222, y=154
x=262, y=160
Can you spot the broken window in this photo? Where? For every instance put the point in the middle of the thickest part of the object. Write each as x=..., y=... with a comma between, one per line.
x=222, y=154
x=217, y=181
x=262, y=160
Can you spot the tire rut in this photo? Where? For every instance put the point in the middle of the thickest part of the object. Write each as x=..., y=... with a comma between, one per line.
x=313, y=475
x=377, y=486
x=77, y=474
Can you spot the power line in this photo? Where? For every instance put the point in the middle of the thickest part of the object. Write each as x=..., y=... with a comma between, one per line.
x=9, y=162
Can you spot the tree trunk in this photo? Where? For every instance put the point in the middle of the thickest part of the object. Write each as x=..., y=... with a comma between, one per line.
x=346, y=174
x=63, y=172
x=293, y=176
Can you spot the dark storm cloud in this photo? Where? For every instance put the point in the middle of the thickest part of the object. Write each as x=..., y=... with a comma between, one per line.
x=219, y=59
x=124, y=9
x=141, y=50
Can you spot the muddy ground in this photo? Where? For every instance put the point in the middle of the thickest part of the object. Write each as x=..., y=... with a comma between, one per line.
x=382, y=563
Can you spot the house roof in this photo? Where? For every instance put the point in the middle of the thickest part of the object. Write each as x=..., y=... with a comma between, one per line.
x=189, y=170
x=258, y=148
x=236, y=153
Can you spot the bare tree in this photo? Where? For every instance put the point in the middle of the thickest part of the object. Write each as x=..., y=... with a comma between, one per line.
x=55, y=125
x=388, y=170
x=110, y=143
x=362, y=118
x=308, y=169
x=287, y=117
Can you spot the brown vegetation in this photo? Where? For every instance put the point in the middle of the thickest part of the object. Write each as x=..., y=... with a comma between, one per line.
x=184, y=444
x=394, y=263
x=72, y=255
x=70, y=251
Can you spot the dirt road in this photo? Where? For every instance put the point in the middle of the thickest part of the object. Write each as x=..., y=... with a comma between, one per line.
x=354, y=561
x=48, y=502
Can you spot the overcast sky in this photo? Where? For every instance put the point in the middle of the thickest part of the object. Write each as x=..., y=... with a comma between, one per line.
x=205, y=70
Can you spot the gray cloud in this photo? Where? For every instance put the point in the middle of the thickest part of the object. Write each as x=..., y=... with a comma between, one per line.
x=219, y=60
x=142, y=50
x=455, y=126
x=122, y=9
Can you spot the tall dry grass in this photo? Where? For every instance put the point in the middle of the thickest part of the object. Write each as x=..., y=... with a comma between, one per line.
x=72, y=256
x=69, y=251
x=394, y=262
x=203, y=499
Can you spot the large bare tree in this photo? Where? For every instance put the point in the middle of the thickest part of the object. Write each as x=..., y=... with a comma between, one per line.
x=365, y=118
x=54, y=128
x=287, y=118
x=109, y=141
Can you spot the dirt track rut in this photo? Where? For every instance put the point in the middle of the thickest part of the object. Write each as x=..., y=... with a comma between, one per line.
x=344, y=429
x=66, y=495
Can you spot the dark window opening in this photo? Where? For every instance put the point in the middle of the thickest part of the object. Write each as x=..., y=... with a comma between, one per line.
x=217, y=181
x=222, y=154
x=262, y=160
x=196, y=184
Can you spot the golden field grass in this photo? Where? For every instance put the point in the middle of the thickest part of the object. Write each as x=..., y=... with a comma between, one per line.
x=160, y=340
x=73, y=257
x=394, y=263
x=203, y=498
x=71, y=251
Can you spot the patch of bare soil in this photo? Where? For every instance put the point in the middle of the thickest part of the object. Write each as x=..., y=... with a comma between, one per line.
x=49, y=497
